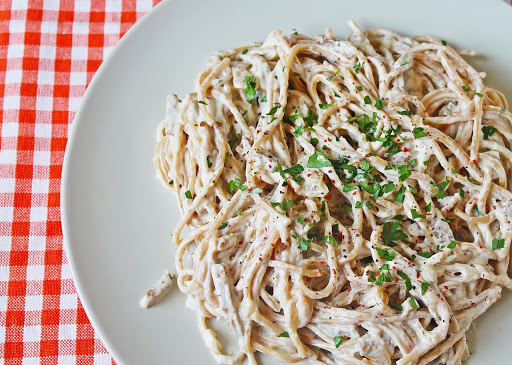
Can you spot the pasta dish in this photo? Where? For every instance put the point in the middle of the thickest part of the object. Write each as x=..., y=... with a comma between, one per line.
x=342, y=201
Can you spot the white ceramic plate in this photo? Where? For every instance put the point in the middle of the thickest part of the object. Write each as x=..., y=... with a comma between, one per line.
x=116, y=217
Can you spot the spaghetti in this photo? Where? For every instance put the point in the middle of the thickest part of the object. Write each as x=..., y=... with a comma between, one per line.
x=348, y=201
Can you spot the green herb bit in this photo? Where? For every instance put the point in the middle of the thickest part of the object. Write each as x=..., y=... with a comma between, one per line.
x=273, y=110
x=314, y=141
x=399, y=197
x=385, y=254
x=413, y=303
x=338, y=340
x=465, y=88
x=330, y=240
x=414, y=162
x=284, y=334
x=415, y=214
x=479, y=95
x=488, y=131
x=418, y=132
x=424, y=287
x=396, y=307
x=347, y=188
x=188, y=194
x=301, y=219
x=298, y=131
x=264, y=100
x=405, y=112
x=413, y=190
x=389, y=188
x=351, y=119
x=455, y=171
x=359, y=205
x=472, y=181
x=294, y=170
x=452, y=244
x=295, y=116
x=406, y=279
x=461, y=193
x=404, y=172
x=426, y=255
x=391, y=233
x=222, y=226
x=428, y=208
x=443, y=42
x=378, y=103
x=477, y=211
x=496, y=243
x=298, y=179
x=304, y=243
x=286, y=204
x=208, y=161
x=325, y=106
x=398, y=217
x=245, y=51
x=367, y=100
x=314, y=161
x=356, y=67
x=202, y=102
x=405, y=63
x=250, y=88
x=333, y=76
x=171, y=182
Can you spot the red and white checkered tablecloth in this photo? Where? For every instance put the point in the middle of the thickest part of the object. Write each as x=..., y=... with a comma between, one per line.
x=49, y=51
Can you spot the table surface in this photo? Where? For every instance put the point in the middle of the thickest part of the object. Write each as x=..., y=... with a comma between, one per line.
x=49, y=52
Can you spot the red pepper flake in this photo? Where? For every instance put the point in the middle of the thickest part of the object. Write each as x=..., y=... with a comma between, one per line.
x=474, y=161
x=258, y=131
x=327, y=197
x=334, y=271
x=406, y=149
x=446, y=287
x=309, y=175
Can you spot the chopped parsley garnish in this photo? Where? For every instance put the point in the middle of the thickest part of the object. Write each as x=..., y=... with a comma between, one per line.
x=333, y=76
x=378, y=103
x=477, y=211
x=385, y=275
x=455, y=171
x=245, y=51
x=428, y=208
x=405, y=112
x=298, y=179
x=314, y=141
x=315, y=161
x=452, y=244
x=425, y=254
x=496, y=243
x=171, y=182
x=399, y=197
x=479, y=95
x=304, y=243
x=208, y=161
x=356, y=67
x=360, y=88
x=413, y=303
x=359, y=205
x=294, y=170
x=188, y=194
x=243, y=116
x=415, y=214
x=295, y=116
x=239, y=212
x=413, y=190
x=222, y=226
x=418, y=132
x=461, y=193
x=347, y=188
x=235, y=183
x=473, y=181
x=465, y=88
x=351, y=119
x=398, y=217
x=405, y=63
x=385, y=254
x=414, y=162
x=274, y=204
x=396, y=307
x=286, y=204
x=488, y=131
x=264, y=100
x=406, y=279
x=300, y=219
x=298, y=131
x=338, y=340
x=391, y=233
x=442, y=187
x=404, y=172
x=367, y=100
x=250, y=91
x=325, y=106
x=284, y=334
x=330, y=240
x=443, y=42
x=202, y=102
x=389, y=188
x=365, y=165
x=226, y=157
x=424, y=287
x=273, y=110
